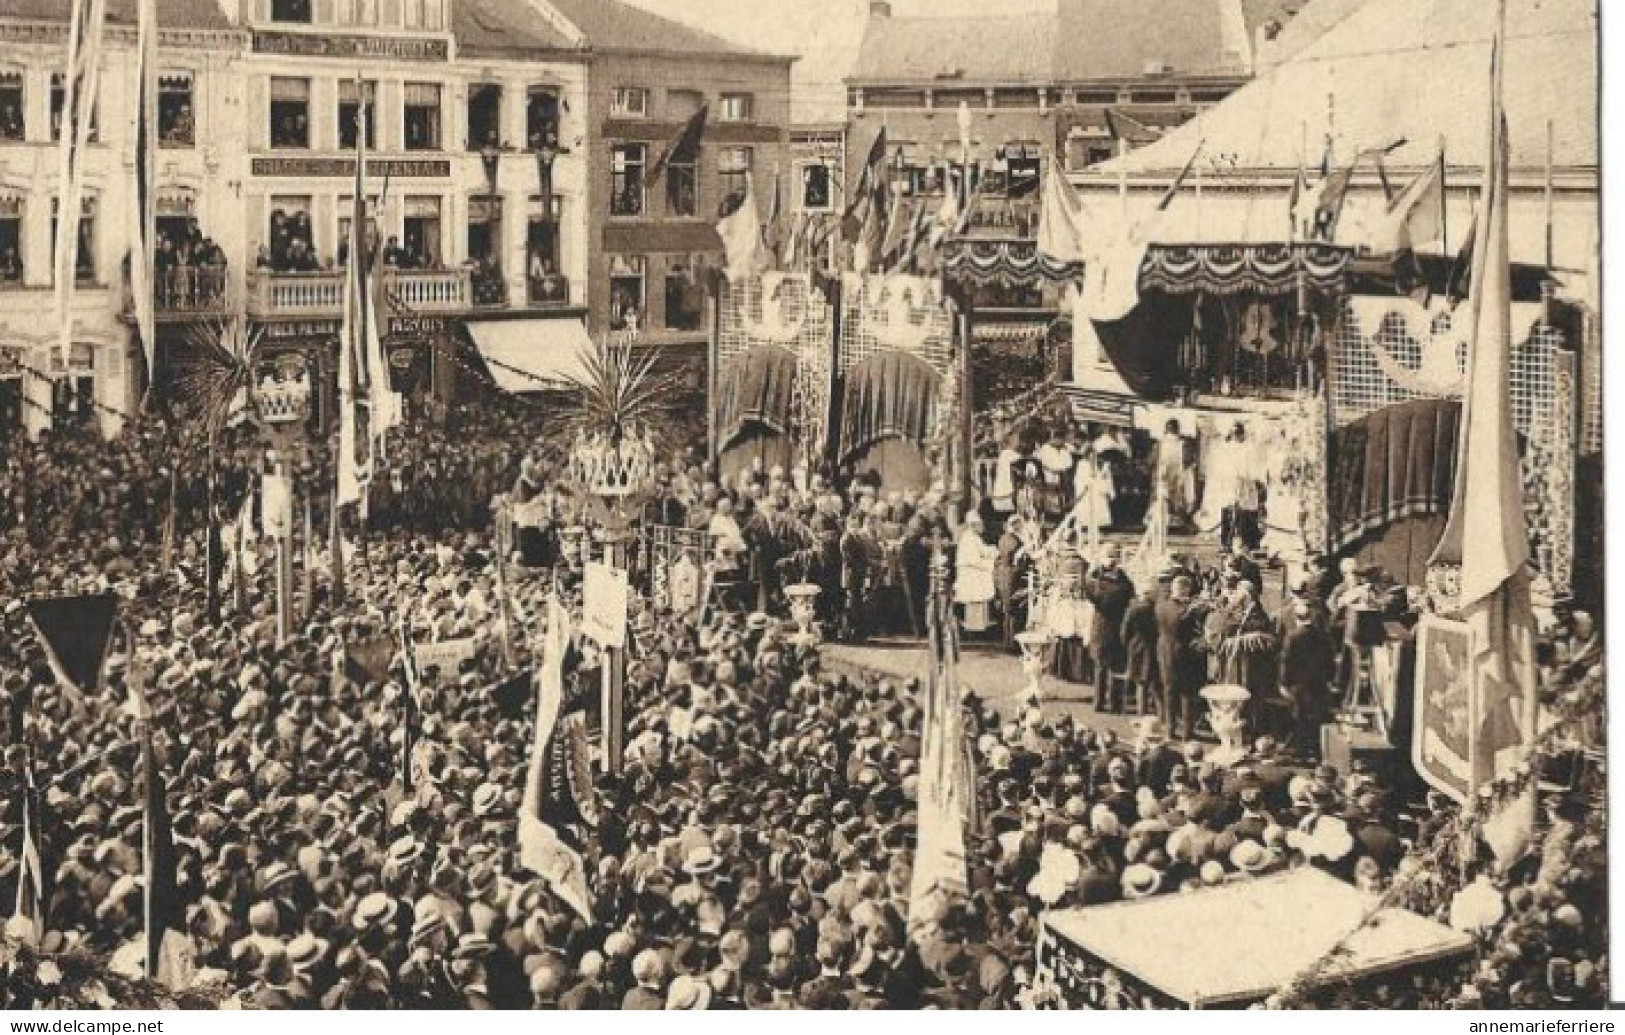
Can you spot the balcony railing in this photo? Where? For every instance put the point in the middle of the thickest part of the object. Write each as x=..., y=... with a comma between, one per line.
x=321, y=295
x=191, y=290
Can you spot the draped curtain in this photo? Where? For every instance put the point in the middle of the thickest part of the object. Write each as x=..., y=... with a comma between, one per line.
x=889, y=394
x=1394, y=464
x=757, y=390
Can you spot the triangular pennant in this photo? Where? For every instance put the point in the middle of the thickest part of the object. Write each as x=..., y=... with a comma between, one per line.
x=76, y=631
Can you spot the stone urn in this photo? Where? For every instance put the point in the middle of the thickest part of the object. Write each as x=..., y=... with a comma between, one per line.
x=803, y=597
x=1224, y=704
x=1034, y=644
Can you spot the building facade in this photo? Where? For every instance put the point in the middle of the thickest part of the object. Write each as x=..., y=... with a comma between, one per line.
x=653, y=245
x=197, y=159
x=504, y=146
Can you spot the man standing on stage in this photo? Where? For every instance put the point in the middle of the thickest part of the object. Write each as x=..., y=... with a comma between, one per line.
x=1111, y=591
x=1180, y=659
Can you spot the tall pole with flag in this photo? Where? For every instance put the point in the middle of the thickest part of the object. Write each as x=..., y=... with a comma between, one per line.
x=940, y=862
x=143, y=209
x=32, y=897
x=1486, y=534
x=81, y=83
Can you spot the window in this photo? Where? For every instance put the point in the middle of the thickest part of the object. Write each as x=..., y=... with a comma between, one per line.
x=358, y=105
x=176, y=125
x=84, y=263
x=421, y=14
x=626, y=277
x=817, y=181
x=1022, y=170
x=630, y=102
x=738, y=107
x=545, y=284
x=1155, y=97
x=11, y=106
x=420, y=233
x=485, y=250
x=484, y=116
x=290, y=10
x=685, y=294
x=1208, y=96
x=682, y=186
x=541, y=117
x=59, y=99
x=1097, y=96
x=422, y=116
x=292, y=246
x=734, y=167
x=290, y=113
x=11, y=241
x=627, y=163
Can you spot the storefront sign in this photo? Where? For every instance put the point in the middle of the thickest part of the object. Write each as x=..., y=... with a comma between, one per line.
x=340, y=46
x=397, y=168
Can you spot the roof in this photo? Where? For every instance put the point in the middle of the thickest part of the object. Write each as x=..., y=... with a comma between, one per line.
x=172, y=14
x=1115, y=39
x=613, y=27
x=1243, y=941
x=505, y=27
x=1380, y=67
x=1317, y=18
x=1012, y=49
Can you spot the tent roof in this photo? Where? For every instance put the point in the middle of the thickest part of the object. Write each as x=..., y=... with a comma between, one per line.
x=1244, y=941
x=1012, y=49
x=1376, y=76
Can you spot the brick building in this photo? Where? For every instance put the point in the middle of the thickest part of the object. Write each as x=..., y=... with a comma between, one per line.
x=651, y=247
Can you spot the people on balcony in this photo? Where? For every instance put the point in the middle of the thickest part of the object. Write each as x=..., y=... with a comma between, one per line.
x=189, y=270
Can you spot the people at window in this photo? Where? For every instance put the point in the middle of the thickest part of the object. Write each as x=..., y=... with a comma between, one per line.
x=189, y=269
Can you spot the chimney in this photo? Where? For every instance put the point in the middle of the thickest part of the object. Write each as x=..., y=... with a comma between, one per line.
x=880, y=8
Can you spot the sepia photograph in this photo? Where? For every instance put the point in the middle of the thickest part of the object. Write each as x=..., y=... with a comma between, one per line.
x=895, y=505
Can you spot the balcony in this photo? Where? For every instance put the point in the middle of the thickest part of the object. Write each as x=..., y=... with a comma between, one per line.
x=293, y=296
x=190, y=292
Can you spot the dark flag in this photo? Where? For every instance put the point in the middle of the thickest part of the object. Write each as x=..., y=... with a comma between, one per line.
x=511, y=694
x=684, y=147
x=551, y=803
x=76, y=632
x=1459, y=282
x=33, y=875
x=869, y=201
x=409, y=707
x=367, y=660
x=164, y=913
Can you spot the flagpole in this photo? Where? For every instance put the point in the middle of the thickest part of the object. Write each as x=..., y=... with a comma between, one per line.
x=1550, y=195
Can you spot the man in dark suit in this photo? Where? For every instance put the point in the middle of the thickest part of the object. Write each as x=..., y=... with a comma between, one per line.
x=1181, y=664
x=1111, y=591
x=1308, y=663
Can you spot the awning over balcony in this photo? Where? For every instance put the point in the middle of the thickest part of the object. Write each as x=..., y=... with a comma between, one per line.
x=532, y=355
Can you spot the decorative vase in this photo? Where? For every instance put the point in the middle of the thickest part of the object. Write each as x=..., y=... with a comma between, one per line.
x=1224, y=715
x=803, y=598
x=1034, y=644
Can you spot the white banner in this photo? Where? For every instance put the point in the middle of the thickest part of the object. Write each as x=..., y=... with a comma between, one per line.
x=606, y=597
x=447, y=656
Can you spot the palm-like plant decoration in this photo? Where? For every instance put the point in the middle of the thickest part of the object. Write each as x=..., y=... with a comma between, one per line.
x=619, y=421
x=217, y=375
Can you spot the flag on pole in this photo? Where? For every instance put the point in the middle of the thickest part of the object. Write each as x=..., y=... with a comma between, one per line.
x=772, y=226
x=1486, y=533
x=409, y=705
x=170, y=517
x=939, y=858
x=684, y=148
x=741, y=233
x=543, y=848
x=76, y=632
x=33, y=898
x=143, y=210
x=81, y=84
x=1415, y=217
x=166, y=951
x=870, y=192
x=1060, y=219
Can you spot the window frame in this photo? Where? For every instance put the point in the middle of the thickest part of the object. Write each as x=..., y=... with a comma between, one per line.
x=622, y=166
x=368, y=103
x=58, y=101
x=166, y=88
x=829, y=186
x=14, y=210
x=619, y=106
x=12, y=78
x=733, y=177
x=689, y=266
x=549, y=131
x=437, y=118
x=285, y=18
x=272, y=104
x=89, y=208
x=476, y=89
x=641, y=264
x=747, y=102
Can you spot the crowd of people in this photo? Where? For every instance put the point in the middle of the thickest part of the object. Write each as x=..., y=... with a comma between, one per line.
x=756, y=851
